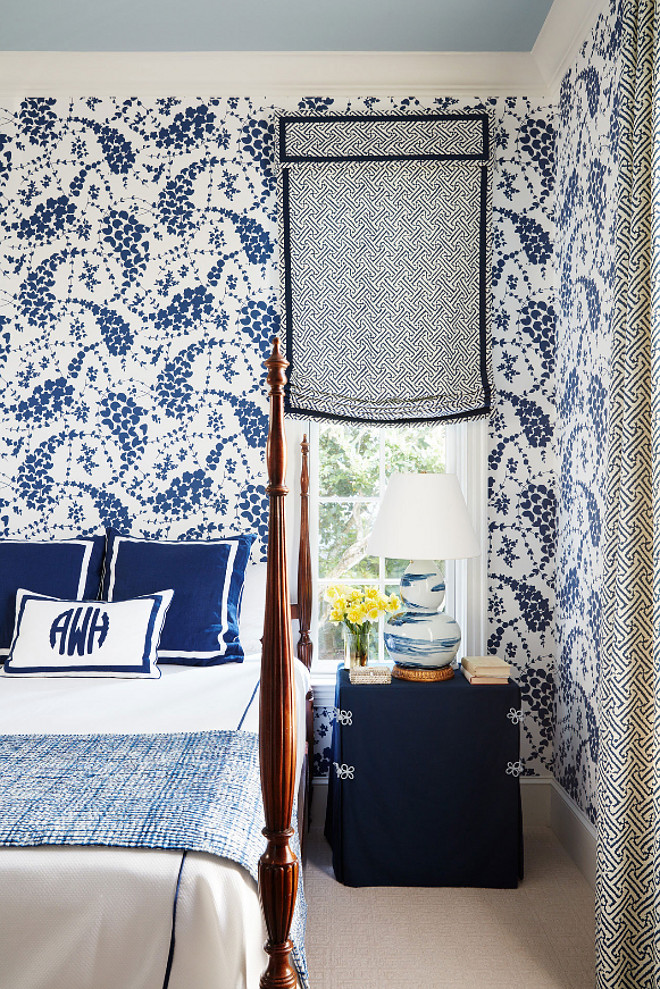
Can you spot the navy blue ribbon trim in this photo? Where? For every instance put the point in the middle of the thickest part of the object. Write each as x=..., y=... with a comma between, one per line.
x=483, y=287
x=288, y=291
x=170, y=954
x=249, y=705
x=285, y=157
x=481, y=413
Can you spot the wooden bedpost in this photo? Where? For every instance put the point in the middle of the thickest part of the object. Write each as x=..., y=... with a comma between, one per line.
x=304, y=564
x=278, y=866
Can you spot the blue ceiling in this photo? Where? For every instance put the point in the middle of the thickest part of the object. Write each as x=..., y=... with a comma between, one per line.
x=270, y=25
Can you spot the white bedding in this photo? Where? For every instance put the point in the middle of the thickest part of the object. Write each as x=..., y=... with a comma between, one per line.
x=101, y=918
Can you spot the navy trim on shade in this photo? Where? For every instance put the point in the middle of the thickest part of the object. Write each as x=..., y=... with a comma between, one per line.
x=288, y=301
x=483, y=286
x=485, y=123
x=382, y=118
x=481, y=411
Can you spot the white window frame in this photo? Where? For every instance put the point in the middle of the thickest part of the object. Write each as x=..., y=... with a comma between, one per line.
x=466, y=455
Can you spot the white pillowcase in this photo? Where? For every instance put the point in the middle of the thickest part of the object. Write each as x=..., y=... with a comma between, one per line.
x=253, y=606
x=60, y=638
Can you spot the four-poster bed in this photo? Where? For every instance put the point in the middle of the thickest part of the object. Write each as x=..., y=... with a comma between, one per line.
x=278, y=867
x=36, y=900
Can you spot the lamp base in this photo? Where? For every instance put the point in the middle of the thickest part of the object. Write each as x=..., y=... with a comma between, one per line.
x=421, y=637
x=422, y=676
x=421, y=640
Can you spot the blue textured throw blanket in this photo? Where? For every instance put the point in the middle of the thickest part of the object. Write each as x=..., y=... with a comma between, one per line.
x=195, y=791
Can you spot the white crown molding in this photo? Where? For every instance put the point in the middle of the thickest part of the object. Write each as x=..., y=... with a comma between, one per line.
x=289, y=75
x=566, y=27
x=269, y=74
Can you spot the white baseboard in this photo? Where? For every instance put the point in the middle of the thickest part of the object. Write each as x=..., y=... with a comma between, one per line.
x=574, y=830
x=544, y=804
x=535, y=797
x=319, y=804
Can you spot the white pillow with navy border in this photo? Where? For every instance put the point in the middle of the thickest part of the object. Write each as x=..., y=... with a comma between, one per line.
x=62, y=638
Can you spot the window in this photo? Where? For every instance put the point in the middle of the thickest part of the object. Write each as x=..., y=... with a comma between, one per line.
x=350, y=466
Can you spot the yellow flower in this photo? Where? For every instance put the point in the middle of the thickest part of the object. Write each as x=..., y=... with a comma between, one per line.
x=356, y=614
x=334, y=592
x=358, y=606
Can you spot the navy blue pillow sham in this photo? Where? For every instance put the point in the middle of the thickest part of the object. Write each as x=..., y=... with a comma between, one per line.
x=201, y=627
x=64, y=568
x=93, y=585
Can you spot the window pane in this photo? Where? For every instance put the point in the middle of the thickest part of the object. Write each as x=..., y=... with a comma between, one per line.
x=394, y=568
x=331, y=641
x=343, y=533
x=352, y=461
x=348, y=461
x=415, y=449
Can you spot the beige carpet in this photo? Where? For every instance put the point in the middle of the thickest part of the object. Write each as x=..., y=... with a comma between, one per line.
x=539, y=936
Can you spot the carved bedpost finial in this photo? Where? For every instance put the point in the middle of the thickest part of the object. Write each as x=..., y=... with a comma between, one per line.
x=276, y=365
x=304, y=473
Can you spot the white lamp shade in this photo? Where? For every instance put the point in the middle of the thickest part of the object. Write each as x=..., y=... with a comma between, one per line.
x=423, y=516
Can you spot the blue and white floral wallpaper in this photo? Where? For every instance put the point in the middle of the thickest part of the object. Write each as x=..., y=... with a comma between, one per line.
x=136, y=301
x=586, y=199
x=138, y=290
x=522, y=499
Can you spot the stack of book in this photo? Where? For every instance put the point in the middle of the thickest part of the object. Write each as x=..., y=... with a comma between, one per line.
x=485, y=669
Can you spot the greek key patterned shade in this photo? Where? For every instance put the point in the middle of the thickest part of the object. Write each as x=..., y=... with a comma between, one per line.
x=385, y=251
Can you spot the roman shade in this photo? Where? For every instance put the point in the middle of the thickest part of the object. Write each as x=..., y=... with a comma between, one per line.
x=385, y=257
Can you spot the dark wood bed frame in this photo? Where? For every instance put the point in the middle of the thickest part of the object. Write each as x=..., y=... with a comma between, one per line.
x=279, y=866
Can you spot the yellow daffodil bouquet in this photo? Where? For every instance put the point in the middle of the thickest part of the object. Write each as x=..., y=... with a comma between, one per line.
x=356, y=609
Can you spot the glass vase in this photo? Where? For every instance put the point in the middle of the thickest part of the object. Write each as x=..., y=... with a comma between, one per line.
x=356, y=646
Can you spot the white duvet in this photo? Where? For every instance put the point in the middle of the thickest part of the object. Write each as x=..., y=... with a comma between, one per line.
x=101, y=918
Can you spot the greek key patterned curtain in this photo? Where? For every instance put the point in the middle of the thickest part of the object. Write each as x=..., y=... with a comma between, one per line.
x=385, y=251
x=628, y=878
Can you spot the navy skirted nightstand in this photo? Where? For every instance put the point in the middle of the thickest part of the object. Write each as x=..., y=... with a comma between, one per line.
x=424, y=785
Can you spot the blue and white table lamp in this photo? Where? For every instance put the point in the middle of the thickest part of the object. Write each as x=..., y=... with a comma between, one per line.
x=423, y=517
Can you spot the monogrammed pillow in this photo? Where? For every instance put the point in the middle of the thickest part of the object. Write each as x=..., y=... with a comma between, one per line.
x=57, y=638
